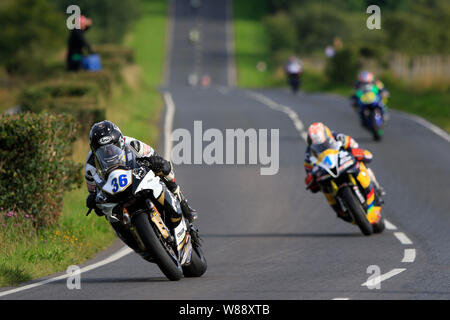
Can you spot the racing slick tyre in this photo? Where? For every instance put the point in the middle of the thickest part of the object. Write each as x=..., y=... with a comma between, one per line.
x=356, y=210
x=379, y=226
x=154, y=245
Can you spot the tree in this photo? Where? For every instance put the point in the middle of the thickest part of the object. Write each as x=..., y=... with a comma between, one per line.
x=31, y=30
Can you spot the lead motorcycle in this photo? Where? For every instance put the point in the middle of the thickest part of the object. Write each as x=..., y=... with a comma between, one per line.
x=335, y=171
x=137, y=204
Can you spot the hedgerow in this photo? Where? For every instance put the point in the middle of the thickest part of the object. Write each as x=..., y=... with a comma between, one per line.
x=36, y=167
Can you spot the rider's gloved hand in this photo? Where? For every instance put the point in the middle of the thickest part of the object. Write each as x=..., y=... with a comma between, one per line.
x=159, y=164
x=358, y=154
x=311, y=183
x=91, y=204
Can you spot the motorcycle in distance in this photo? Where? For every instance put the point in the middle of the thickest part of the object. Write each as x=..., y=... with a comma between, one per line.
x=335, y=171
x=294, y=81
x=294, y=71
x=371, y=108
x=137, y=204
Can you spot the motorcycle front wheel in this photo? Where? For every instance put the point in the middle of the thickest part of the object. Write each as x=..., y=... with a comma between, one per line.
x=153, y=244
x=356, y=210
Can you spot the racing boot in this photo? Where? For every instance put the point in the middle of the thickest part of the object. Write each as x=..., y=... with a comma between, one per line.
x=189, y=212
x=378, y=188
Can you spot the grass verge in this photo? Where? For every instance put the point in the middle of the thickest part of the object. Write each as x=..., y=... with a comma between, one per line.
x=251, y=44
x=135, y=106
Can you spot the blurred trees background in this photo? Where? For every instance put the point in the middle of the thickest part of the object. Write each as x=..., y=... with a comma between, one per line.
x=34, y=31
x=410, y=28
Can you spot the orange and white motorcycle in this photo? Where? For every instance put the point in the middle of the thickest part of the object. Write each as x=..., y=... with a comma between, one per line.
x=340, y=176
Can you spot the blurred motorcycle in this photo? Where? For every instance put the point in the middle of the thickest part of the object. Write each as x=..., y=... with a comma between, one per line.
x=370, y=104
x=294, y=71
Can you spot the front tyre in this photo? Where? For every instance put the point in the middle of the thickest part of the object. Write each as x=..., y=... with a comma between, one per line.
x=379, y=226
x=356, y=210
x=155, y=247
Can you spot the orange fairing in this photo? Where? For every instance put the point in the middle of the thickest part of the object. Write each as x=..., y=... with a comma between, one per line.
x=374, y=215
x=363, y=176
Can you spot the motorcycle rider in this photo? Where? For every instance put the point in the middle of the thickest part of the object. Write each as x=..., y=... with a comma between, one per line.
x=368, y=78
x=318, y=134
x=293, y=69
x=104, y=133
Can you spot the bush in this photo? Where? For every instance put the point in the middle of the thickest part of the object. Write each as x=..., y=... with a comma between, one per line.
x=81, y=100
x=343, y=67
x=36, y=167
x=108, y=51
x=103, y=78
x=31, y=31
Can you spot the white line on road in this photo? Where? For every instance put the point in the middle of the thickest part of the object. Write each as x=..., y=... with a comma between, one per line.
x=168, y=122
x=389, y=225
x=402, y=238
x=116, y=256
x=372, y=283
x=409, y=255
x=340, y=299
x=440, y=132
x=278, y=107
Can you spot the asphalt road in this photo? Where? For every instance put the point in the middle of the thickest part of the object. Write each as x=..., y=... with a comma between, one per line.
x=266, y=237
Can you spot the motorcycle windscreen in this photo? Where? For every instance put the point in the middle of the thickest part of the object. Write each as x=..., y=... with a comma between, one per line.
x=318, y=148
x=110, y=157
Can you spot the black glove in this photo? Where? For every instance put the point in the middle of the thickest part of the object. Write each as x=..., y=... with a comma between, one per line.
x=159, y=164
x=91, y=204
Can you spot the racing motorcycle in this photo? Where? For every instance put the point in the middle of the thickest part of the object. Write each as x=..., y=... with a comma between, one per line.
x=370, y=104
x=335, y=171
x=293, y=73
x=138, y=204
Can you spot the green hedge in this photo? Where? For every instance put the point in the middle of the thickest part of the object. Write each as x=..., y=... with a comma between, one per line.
x=82, y=100
x=36, y=166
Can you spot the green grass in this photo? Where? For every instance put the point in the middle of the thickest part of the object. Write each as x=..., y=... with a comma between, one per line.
x=251, y=44
x=135, y=107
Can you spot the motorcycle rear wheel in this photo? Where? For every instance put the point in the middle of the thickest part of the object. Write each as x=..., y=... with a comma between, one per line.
x=198, y=264
x=153, y=244
x=356, y=210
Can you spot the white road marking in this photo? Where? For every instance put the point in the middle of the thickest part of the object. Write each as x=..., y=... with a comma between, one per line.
x=389, y=225
x=435, y=129
x=340, y=299
x=402, y=238
x=168, y=123
x=409, y=255
x=116, y=256
x=377, y=280
x=278, y=107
